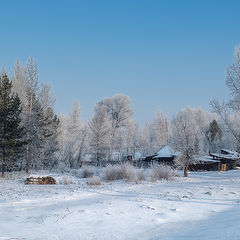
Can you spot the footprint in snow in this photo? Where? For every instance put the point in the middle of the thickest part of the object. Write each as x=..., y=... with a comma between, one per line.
x=148, y=207
x=152, y=208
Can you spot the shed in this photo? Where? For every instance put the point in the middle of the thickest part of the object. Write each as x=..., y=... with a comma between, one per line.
x=205, y=163
x=229, y=159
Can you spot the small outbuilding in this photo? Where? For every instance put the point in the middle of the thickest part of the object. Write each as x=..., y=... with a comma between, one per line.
x=205, y=163
x=223, y=161
x=164, y=156
x=229, y=159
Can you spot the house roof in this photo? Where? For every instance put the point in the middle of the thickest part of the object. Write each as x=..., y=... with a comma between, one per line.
x=230, y=155
x=205, y=159
x=165, y=152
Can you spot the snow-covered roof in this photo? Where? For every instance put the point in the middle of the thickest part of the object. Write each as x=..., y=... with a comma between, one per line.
x=165, y=152
x=232, y=153
x=225, y=156
x=205, y=159
x=228, y=151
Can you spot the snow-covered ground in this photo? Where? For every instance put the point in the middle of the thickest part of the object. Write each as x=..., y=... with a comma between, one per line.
x=204, y=206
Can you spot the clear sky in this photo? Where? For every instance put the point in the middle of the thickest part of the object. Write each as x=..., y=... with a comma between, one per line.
x=163, y=54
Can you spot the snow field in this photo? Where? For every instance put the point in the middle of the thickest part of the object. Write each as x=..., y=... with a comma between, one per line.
x=198, y=207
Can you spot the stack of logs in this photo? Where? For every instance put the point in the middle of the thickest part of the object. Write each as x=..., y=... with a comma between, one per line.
x=40, y=180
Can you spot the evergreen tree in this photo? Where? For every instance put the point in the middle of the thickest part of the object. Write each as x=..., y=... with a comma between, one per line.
x=37, y=116
x=213, y=134
x=11, y=131
x=50, y=145
x=34, y=122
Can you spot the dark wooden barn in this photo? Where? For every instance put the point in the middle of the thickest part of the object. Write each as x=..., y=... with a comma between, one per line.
x=205, y=163
x=163, y=156
x=229, y=160
x=226, y=160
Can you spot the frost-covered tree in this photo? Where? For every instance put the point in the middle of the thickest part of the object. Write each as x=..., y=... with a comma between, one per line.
x=63, y=141
x=131, y=138
x=33, y=114
x=155, y=135
x=100, y=130
x=73, y=137
x=228, y=112
x=162, y=129
x=74, y=128
x=185, y=139
x=158, y=132
x=20, y=82
x=11, y=130
x=147, y=140
x=37, y=116
x=119, y=111
x=82, y=143
x=50, y=144
x=49, y=124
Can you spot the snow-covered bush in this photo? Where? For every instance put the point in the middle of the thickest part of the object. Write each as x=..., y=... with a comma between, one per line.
x=140, y=174
x=123, y=171
x=93, y=181
x=129, y=172
x=161, y=171
x=66, y=180
x=112, y=172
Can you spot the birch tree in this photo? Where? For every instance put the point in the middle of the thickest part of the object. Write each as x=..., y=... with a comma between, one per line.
x=161, y=130
x=100, y=129
x=228, y=112
x=26, y=85
x=131, y=136
x=185, y=137
x=74, y=127
x=37, y=116
x=119, y=111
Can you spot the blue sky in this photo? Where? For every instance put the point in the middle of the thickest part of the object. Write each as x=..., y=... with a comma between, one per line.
x=163, y=54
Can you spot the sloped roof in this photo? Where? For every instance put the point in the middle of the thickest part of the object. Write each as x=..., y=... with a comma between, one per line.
x=165, y=152
x=231, y=155
x=202, y=159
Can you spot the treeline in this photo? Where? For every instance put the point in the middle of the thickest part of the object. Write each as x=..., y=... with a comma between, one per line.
x=34, y=137
x=29, y=127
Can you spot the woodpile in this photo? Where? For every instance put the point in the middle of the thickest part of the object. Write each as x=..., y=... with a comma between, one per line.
x=40, y=180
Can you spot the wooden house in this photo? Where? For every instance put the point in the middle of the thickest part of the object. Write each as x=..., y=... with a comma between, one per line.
x=229, y=159
x=205, y=163
x=223, y=161
x=164, y=156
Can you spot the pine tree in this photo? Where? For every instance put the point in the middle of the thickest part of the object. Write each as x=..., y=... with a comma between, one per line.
x=37, y=116
x=50, y=124
x=213, y=134
x=11, y=131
